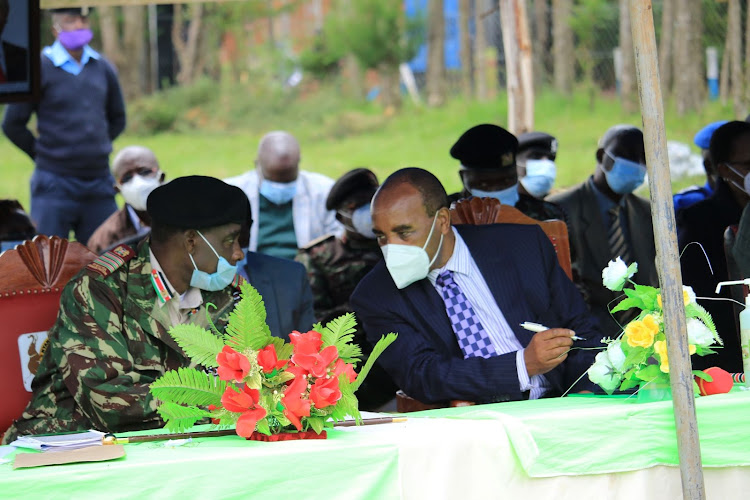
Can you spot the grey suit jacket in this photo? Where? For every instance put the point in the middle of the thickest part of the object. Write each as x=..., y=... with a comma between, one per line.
x=589, y=235
x=285, y=290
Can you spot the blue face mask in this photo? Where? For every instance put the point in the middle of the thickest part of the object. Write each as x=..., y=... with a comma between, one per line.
x=279, y=193
x=507, y=196
x=625, y=175
x=362, y=221
x=540, y=176
x=222, y=278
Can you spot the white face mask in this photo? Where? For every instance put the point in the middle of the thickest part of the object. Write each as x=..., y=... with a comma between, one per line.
x=407, y=263
x=137, y=189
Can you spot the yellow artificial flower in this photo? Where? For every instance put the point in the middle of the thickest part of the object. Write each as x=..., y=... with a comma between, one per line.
x=660, y=347
x=641, y=333
x=685, y=298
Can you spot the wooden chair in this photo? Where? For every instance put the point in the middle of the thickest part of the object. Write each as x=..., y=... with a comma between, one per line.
x=490, y=211
x=33, y=276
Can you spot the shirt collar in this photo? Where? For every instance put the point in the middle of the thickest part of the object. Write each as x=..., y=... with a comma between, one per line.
x=165, y=292
x=459, y=262
x=59, y=56
x=604, y=201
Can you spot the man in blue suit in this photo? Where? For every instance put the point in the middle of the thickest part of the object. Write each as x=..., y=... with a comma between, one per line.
x=457, y=296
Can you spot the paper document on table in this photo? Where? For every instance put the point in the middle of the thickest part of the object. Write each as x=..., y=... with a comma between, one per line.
x=89, y=454
x=60, y=442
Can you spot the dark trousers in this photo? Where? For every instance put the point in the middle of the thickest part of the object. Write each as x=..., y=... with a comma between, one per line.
x=60, y=204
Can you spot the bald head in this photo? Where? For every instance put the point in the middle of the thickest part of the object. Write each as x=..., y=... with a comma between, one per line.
x=278, y=157
x=134, y=159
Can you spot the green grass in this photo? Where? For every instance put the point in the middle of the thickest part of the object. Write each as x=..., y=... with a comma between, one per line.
x=336, y=137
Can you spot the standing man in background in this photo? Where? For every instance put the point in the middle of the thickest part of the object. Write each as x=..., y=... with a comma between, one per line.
x=79, y=113
x=289, y=204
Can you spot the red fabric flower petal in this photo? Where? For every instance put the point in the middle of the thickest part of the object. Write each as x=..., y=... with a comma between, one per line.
x=267, y=358
x=238, y=402
x=325, y=392
x=232, y=365
x=317, y=363
x=346, y=368
x=248, y=420
x=306, y=343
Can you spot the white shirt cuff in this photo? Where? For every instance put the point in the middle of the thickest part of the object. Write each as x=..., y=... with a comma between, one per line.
x=523, y=375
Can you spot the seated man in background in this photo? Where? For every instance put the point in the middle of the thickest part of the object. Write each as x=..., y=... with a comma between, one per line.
x=535, y=163
x=15, y=225
x=137, y=173
x=608, y=221
x=336, y=264
x=705, y=223
x=488, y=169
x=694, y=194
x=288, y=203
x=110, y=339
x=457, y=296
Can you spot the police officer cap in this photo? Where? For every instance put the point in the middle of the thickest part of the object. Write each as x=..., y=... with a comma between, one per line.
x=538, y=142
x=197, y=202
x=703, y=138
x=73, y=11
x=359, y=179
x=486, y=146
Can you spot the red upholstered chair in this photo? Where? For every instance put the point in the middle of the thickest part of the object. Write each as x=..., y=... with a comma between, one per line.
x=32, y=277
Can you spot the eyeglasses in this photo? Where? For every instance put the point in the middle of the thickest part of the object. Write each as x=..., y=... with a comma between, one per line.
x=142, y=171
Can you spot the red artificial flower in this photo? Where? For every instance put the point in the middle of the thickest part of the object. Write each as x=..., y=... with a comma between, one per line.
x=212, y=408
x=246, y=403
x=232, y=365
x=325, y=392
x=346, y=368
x=295, y=405
x=316, y=363
x=306, y=343
x=268, y=361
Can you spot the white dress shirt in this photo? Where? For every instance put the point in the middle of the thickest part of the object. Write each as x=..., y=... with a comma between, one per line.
x=467, y=276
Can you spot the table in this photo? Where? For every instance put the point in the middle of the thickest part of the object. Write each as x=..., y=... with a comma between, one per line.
x=576, y=447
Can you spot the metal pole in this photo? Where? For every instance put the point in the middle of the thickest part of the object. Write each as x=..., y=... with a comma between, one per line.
x=667, y=256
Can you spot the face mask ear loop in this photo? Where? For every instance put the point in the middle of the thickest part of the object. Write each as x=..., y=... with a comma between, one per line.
x=430, y=236
x=207, y=243
x=193, y=261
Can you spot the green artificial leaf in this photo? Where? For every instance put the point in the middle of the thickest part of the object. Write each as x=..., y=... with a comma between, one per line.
x=703, y=375
x=696, y=389
x=648, y=295
x=649, y=373
x=284, y=350
x=636, y=356
x=180, y=418
x=247, y=328
x=629, y=384
x=316, y=423
x=199, y=344
x=189, y=386
x=263, y=427
x=696, y=311
x=626, y=304
x=377, y=350
x=339, y=332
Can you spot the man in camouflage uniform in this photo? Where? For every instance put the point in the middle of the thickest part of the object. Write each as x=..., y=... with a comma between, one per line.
x=488, y=169
x=335, y=265
x=110, y=339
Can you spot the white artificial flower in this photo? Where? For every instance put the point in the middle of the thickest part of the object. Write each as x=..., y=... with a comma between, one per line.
x=617, y=273
x=616, y=356
x=690, y=294
x=603, y=374
x=698, y=333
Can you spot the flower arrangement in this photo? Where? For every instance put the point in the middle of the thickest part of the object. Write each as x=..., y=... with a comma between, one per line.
x=261, y=383
x=639, y=355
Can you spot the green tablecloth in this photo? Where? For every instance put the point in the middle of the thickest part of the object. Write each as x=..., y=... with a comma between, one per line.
x=443, y=448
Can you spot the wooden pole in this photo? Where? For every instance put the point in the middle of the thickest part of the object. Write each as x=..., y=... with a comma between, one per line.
x=518, y=66
x=667, y=256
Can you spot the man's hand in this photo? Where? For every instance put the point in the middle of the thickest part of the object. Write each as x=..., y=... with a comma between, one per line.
x=547, y=349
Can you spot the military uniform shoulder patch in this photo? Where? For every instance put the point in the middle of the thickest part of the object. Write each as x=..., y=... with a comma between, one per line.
x=238, y=281
x=319, y=239
x=109, y=262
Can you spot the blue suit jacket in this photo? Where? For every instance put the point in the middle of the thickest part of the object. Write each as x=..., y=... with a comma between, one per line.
x=285, y=290
x=522, y=272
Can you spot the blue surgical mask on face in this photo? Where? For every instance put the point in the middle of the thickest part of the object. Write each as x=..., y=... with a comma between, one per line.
x=362, y=221
x=212, y=282
x=540, y=176
x=278, y=192
x=625, y=175
x=507, y=196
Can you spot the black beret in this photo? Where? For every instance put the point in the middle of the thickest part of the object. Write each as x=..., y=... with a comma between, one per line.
x=354, y=181
x=197, y=202
x=486, y=146
x=537, y=141
x=73, y=11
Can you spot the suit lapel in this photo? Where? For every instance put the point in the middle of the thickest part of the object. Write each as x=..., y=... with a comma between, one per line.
x=639, y=221
x=261, y=281
x=428, y=304
x=593, y=230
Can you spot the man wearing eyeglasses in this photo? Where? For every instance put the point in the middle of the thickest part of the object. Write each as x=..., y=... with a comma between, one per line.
x=137, y=173
x=608, y=220
x=79, y=113
x=705, y=223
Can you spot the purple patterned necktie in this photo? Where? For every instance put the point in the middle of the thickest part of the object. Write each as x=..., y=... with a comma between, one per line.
x=472, y=338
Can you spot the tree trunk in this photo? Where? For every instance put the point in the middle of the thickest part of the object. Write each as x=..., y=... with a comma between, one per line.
x=746, y=100
x=518, y=66
x=665, y=46
x=480, y=52
x=690, y=85
x=562, y=48
x=390, y=94
x=186, y=47
x=464, y=14
x=627, y=77
x=724, y=84
x=435, y=53
x=734, y=33
x=133, y=75
x=542, y=61
x=110, y=34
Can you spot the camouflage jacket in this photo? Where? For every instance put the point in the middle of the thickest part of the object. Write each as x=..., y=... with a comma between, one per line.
x=108, y=344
